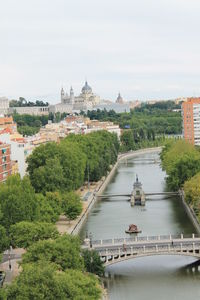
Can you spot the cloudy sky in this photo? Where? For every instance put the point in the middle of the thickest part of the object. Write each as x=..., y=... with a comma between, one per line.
x=147, y=49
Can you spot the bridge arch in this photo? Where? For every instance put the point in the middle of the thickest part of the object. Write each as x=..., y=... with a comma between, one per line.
x=124, y=257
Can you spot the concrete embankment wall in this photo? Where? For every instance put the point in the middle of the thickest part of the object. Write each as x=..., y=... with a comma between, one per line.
x=103, y=184
x=191, y=214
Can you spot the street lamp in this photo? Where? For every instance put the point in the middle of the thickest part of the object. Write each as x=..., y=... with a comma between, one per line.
x=88, y=176
x=90, y=237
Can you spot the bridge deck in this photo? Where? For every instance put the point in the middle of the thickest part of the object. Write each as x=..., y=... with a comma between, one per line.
x=146, y=194
x=114, y=250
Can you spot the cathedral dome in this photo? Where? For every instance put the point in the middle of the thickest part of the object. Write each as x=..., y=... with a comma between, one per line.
x=119, y=99
x=86, y=88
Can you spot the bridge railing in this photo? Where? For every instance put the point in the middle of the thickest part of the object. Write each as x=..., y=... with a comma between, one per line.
x=142, y=238
x=150, y=249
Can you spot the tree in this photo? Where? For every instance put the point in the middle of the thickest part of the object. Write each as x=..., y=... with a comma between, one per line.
x=45, y=282
x=63, y=251
x=48, y=178
x=181, y=161
x=4, y=241
x=71, y=205
x=46, y=212
x=24, y=234
x=18, y=201
x=93, y=263
x=40, y=155
x=192, y=193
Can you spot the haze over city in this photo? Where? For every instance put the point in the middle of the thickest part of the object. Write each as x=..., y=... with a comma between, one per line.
x=146, y=49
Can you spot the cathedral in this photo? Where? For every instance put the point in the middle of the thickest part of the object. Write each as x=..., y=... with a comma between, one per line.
x=71, y=103
x=86, y=100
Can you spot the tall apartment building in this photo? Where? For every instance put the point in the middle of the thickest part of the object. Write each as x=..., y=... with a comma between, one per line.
x=191, y=120
x=5, y=162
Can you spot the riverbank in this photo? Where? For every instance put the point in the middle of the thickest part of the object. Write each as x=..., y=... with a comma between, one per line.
x=89, y=196
x=190, y=213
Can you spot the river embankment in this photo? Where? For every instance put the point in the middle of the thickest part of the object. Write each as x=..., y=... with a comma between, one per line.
x=89, y=196
x=190, y=213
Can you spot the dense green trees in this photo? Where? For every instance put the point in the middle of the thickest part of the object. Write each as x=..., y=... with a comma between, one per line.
x=29, y=124
x=158, y=117
x=22, y=102
x=23, y=234
x=56, y=167
x=71, y=205
x=181, y=161
x=30, y=205
x=47, y=282
x=63, y=251
x=17, y=200
x=4, y=241
x=93, y=263
x=133, y=139
x=192, y=193
x=65, y=166
x=101, y=150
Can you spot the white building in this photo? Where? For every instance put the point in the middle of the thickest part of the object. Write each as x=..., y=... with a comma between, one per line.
x=17, y=152
x=4, y=105
x=69, y=102
x=30, y=110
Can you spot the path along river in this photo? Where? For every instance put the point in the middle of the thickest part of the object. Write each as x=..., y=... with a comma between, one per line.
x=153, y=277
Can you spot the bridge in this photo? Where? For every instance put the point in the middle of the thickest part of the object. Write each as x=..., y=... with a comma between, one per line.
x=112, y=251
x=146, y=194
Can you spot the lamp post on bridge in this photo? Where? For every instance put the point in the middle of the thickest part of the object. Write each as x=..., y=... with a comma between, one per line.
x=90, y=238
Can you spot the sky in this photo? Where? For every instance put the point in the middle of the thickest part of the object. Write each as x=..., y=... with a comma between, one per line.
x=146, y=49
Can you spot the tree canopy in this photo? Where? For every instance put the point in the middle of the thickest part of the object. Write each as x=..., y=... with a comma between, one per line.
x=181, y=161
x=47, y=282
x=24, y=234
x=63, y=251
x=17, y=200
x=67, y=165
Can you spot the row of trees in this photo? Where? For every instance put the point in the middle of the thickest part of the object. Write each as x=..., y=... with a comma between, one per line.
x=22, y=102
x=67, y=165
x=29, y=207
x=56, y=268
x=30, y=124
x=159, y=117
x=181, y=161
x=26, y=216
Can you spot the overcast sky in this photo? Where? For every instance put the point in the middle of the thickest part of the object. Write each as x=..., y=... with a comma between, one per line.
x=146, y=49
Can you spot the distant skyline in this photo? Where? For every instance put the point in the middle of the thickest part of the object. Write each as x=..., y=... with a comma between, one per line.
x=147, y=49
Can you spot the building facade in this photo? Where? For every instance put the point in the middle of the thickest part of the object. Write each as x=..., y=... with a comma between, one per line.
x=191, y=120
x=69, y=102
x=5, y=162
x=30, y=110
x=4, y=105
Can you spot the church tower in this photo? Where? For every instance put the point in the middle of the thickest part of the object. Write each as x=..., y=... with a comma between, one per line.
x=71, y=95
x=62, y=95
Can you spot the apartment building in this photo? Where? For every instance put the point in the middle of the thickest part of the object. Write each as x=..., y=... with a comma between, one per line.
x=191, y=120
x=5, y=162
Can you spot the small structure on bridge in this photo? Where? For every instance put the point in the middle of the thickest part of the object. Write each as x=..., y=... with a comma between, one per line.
x=137, y=195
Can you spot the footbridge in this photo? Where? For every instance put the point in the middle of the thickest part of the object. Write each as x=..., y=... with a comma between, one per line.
x=105, y=196
x=116, y=250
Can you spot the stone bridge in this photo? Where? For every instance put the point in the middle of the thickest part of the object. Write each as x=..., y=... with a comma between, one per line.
x=113, y=251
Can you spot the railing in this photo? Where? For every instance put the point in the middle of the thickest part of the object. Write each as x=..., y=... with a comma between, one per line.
x=142, y=239
x=150, y=249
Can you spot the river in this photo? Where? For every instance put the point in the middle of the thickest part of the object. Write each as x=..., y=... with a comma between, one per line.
x=153, y=277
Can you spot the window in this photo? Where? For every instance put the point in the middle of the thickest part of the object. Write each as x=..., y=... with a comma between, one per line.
x=4, y=159
x=3, y=151
x=5, y=174
x=4, y=167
